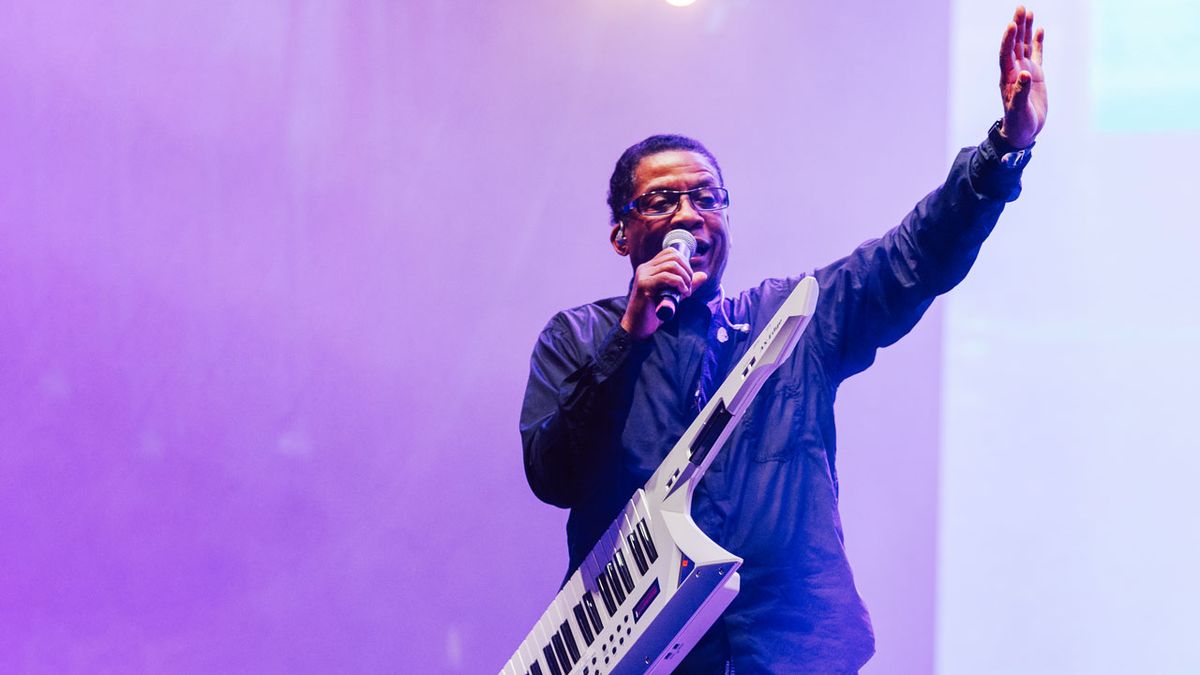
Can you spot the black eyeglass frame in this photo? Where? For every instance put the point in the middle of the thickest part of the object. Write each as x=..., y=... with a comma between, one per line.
x=719, y=189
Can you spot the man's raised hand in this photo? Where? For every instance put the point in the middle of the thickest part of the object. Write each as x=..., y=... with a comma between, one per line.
x=1022, y=83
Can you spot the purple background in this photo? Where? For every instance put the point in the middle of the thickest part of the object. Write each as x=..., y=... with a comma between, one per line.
x=270, y=274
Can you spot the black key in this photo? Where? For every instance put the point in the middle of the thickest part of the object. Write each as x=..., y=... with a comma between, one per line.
x=624, y=570
x=569, y=641
x=644, y=535
x=639, y=558
x=593, y=613
x=585, y=628
x=536, y=669
x=552, y=660
x=606, y=594
x=559, y=649
x=614, y=582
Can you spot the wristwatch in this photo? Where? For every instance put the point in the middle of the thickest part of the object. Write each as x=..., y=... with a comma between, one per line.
x=1008, y=156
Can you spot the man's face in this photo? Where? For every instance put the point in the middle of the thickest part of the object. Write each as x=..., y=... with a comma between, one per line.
x=677, y=170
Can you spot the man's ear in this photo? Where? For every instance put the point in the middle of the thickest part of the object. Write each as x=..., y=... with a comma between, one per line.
x=617, y=237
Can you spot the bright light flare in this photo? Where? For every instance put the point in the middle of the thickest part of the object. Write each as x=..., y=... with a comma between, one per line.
x=680, y=3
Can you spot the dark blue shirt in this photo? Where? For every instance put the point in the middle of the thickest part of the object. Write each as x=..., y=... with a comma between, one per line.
x=602, y=410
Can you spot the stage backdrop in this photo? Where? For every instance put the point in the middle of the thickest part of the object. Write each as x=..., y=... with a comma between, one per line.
x=1069, y=455
x=270, y=273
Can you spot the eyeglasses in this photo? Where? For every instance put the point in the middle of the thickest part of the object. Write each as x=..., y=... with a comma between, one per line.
x=660, y=203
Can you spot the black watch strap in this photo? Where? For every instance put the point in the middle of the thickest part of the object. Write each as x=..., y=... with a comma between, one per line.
x=1004, y=153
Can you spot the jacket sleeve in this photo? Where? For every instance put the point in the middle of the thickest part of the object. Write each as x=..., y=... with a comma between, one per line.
x=876, y=295
x=569, y=429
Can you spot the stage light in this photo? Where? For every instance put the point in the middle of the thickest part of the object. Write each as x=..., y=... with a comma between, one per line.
x=680, y=3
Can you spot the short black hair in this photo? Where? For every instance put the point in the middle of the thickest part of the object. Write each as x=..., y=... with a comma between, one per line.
x=620, y=185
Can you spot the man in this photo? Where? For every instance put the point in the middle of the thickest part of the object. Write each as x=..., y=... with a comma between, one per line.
x=611, y=388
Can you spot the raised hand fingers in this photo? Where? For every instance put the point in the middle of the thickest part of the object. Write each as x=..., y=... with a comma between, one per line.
x=1019, y=42
x=1007, y=44
x=1022, y=84
x=1028, y=35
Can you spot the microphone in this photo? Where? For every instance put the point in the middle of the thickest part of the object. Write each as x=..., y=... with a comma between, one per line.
x=685, y=243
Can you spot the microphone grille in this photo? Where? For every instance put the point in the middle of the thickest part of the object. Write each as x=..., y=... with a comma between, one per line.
x=681, y=237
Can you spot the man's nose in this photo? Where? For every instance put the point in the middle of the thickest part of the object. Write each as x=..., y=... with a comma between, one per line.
x=687, y=215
